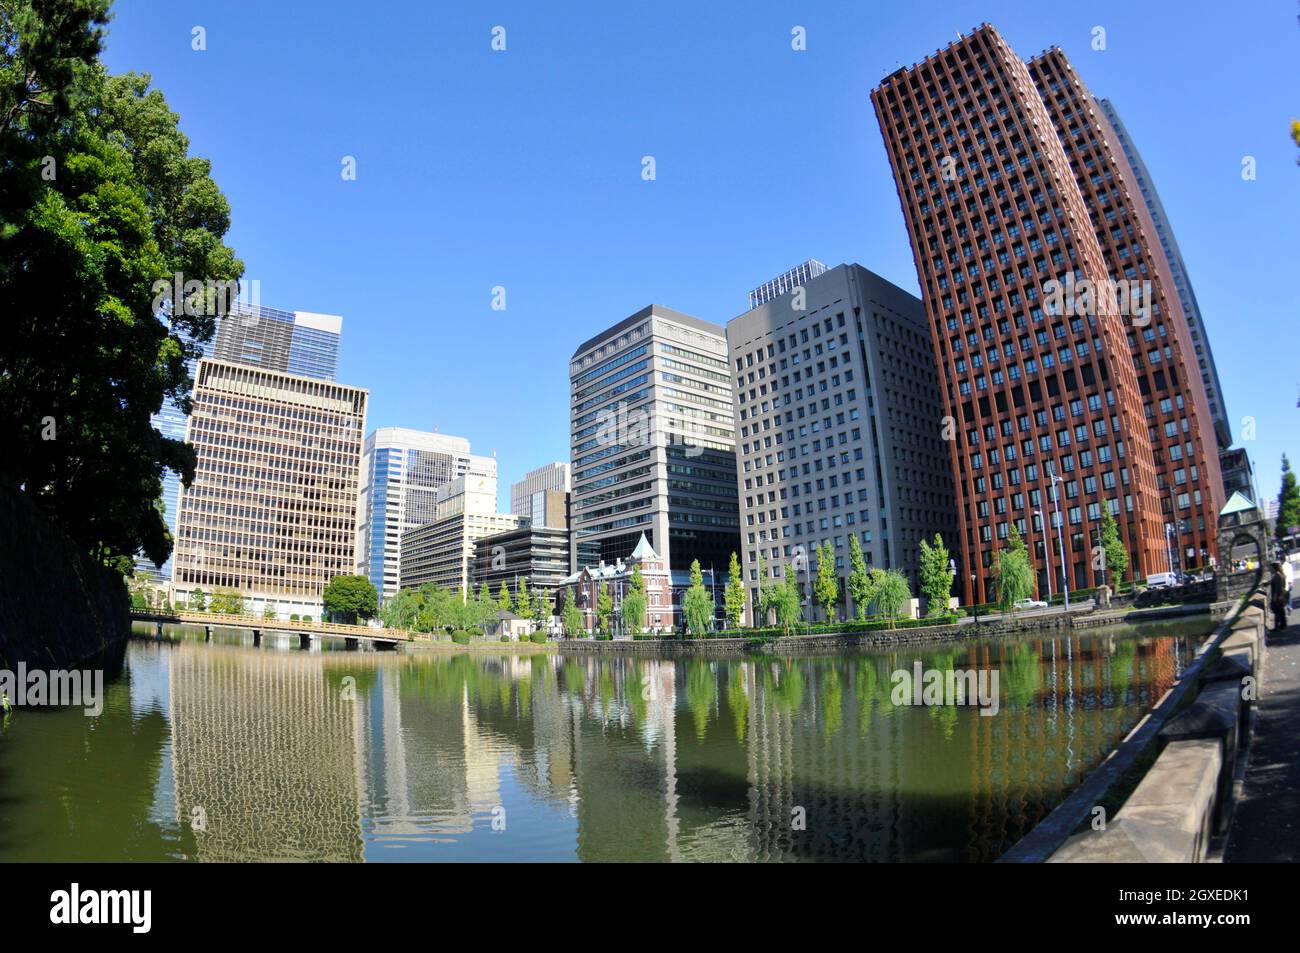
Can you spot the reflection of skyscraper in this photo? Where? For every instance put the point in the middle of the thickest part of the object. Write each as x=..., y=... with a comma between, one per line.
x=264, y=756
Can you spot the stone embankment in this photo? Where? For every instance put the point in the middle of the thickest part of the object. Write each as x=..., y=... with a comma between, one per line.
x=58, y=607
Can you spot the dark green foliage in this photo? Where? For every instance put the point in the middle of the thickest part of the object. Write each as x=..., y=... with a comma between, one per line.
x=351, y=598
x=98, y=200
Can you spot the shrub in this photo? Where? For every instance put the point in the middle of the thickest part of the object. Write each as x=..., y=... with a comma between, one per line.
x=306, y=618
x=460, y=637
x=539, y=638
x=504, y=637
x=293, y=617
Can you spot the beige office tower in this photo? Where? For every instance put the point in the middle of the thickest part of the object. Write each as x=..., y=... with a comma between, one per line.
x=442, y=552
x=272, y=511
x=542, y=495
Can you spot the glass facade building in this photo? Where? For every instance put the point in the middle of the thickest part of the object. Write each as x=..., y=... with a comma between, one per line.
x=401, y=474
x=800, y=274
x=296, y=342
x=653, y=448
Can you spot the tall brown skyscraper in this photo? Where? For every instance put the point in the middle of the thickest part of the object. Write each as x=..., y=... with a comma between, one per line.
x=1175, y=402
x=1039, y=388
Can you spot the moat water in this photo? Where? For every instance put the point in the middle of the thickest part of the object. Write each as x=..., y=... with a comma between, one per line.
x=225, y=751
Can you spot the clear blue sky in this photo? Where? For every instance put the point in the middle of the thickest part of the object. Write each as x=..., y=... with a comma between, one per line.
x=523, y=169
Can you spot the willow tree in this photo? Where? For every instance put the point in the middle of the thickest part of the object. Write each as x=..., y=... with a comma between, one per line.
x=1015, y=579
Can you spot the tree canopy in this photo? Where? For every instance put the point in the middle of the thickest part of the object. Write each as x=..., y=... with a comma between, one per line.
x=352, y=597
x=99, y=199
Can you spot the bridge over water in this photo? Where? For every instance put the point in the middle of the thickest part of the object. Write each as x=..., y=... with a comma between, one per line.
x=353, y=635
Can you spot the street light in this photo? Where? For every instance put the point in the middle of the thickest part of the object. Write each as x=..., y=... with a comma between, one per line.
x=1047, y=550
x=1060, y=538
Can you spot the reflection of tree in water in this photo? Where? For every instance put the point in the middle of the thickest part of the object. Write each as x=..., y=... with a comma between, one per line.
x=832, y=698
x=785, y=682
x=701, y=694
x=866, y=685
x=738, y=698
x=1021, y=676
x=93, y=801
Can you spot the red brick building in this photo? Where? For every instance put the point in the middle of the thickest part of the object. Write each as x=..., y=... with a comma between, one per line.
x=583, y=587
x=1175, y=403
x=1036, y=398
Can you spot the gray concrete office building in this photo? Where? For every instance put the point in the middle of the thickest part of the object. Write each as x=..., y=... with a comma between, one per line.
x=653, y=442
x=839, y=428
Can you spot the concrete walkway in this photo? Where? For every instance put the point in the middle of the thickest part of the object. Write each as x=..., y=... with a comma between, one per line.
x=1266, y=824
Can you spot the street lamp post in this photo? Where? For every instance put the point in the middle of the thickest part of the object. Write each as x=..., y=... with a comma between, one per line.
x=1060, y=539
x=713, y=591
x=1047, y=550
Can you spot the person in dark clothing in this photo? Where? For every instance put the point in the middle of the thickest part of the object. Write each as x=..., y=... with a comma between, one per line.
x=1278, y=596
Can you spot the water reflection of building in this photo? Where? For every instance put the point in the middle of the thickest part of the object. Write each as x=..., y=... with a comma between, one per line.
x=264, y=747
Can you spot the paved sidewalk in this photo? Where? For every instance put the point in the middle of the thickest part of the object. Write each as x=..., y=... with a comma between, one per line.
x=1266, y=825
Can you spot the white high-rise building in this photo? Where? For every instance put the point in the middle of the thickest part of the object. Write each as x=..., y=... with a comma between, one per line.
x=442, y=551
x=401, y=474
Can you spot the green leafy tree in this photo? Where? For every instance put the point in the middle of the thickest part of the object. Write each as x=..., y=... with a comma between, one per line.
x=768, y=594
x=697, y=604
x=85, y=360
x=400, y=611
x=733, y=596
x=1288, y=502
x=635, y=603
x=541, y=611
x=827, y=587
x=573, y=626
x=351, y=597
x=859, y=584
x=604, y=607
x=503, y=599
x=523, y=601
x=891, y=593
x=1011, y=571
x=227, y=601
x=788, y=600
x=1114, y=552
x=198, y=601
x=936, y=578
x=268, y=612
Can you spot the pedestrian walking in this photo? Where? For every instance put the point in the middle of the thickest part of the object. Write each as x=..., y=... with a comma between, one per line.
x=1278, y=596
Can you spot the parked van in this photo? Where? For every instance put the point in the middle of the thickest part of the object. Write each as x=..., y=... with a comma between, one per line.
x=1162, y=580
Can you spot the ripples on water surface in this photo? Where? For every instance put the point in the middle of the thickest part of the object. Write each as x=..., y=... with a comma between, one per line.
x=277, y=753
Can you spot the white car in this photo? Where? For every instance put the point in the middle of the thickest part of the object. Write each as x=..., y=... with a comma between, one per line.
x=1030, y=604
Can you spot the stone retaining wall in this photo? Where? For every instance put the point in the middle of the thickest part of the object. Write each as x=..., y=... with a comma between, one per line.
x=1183, y=798
x=813, y=644
x=58, y=607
